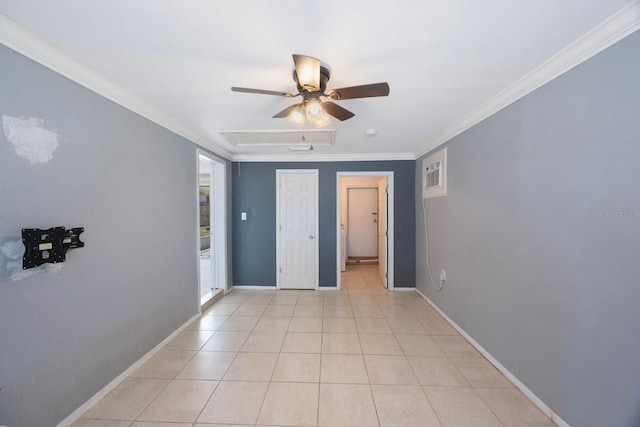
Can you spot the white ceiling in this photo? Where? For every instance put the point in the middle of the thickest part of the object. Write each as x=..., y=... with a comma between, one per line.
x=449, y=63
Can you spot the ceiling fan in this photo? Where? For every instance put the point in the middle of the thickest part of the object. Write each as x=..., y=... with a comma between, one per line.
x=311, y=77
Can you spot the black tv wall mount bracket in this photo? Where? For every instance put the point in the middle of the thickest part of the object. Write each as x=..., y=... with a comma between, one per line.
x=42, y=246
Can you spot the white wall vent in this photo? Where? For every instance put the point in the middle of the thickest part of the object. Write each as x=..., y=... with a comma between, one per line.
x=434, y=175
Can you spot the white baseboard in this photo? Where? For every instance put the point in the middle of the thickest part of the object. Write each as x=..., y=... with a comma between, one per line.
x=75, y=415
x=523, y=388
x=253, y=287
x=403, y=289
x=214, y=299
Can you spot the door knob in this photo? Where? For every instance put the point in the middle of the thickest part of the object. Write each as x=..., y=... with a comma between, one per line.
x=310, y=237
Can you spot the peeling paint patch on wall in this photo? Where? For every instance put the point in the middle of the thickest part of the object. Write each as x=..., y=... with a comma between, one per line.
x=13, y=249
x=11, y=252
x=30, y=139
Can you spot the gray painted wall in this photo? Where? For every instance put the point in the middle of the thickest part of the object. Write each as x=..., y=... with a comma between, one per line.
x=65, y=334
x=254, y=240
x=540, y=237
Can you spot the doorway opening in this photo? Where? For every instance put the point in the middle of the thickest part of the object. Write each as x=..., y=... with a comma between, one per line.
x=364, y=231
x=212, y=229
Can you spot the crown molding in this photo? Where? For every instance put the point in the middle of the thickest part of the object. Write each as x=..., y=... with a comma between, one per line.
x=23, y=41
x=313, y=157
x=618, y=26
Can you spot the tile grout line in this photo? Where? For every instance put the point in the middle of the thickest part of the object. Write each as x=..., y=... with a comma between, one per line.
x=375, y=406
x=431, y=405
x=487, y=405
x=319, y=381
x=170, y=380
x=390, y=306
x=221, y=376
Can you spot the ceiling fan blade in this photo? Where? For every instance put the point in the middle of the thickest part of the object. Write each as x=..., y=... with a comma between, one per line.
x=364, y=91
x=308, y=72
x=337, y=111
x=285, y=113
x=262, y=91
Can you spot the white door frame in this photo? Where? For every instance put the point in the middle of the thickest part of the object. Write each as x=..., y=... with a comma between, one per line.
x=390, y=222
x=280, y=172
x=218, y=209
x=383, y=210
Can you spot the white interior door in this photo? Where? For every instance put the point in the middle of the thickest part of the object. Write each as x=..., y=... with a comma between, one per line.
x=382, y=230
x=362, y=222
x=297, y=219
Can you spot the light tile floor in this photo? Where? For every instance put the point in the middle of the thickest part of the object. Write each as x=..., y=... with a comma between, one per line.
x=359, y=357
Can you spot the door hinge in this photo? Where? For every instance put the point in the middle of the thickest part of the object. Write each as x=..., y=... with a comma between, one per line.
x=386, y=233
x=386, y=190
x=280, y=269
x=386, y=276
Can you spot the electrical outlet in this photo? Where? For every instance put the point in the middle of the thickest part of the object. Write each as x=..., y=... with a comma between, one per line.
x=443, y=275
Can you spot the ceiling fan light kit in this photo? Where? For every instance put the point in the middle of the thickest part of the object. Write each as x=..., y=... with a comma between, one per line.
x=311, y=77
x=313, y=109
x=322, y=121
x=297, y=115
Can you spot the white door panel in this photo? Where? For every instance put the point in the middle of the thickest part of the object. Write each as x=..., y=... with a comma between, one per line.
x=297, y=228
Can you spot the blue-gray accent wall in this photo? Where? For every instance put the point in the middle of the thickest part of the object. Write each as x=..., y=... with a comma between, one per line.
x=254, y=240
x=65, y=334
x=540, y=237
